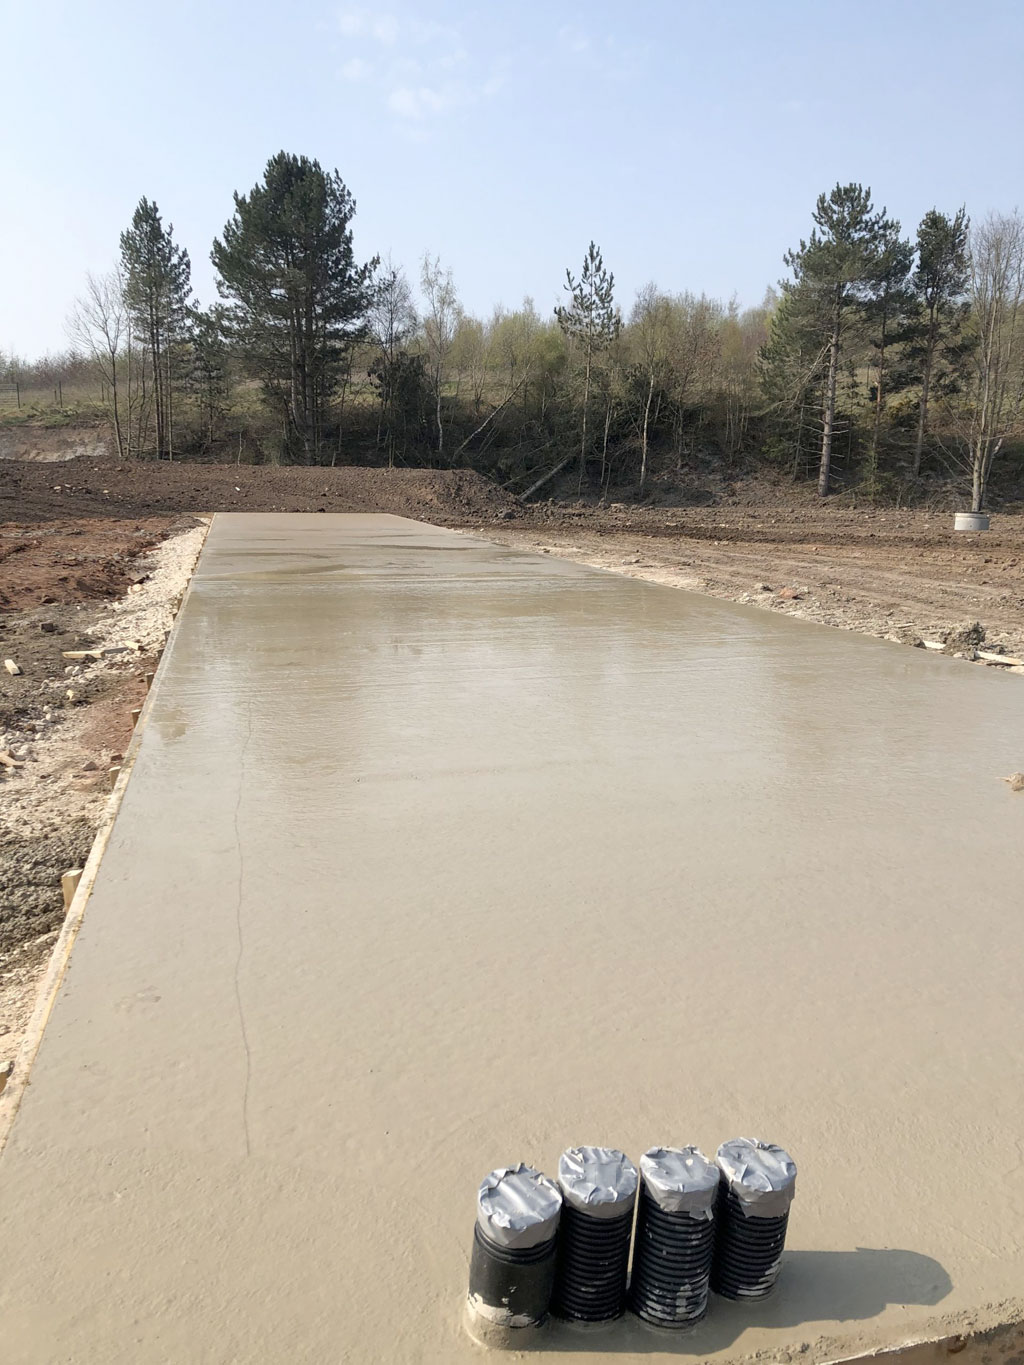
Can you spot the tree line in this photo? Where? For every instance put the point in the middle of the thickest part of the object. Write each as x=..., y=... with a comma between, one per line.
x=881, y=359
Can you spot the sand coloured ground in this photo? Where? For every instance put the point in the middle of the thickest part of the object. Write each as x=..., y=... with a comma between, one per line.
x=436, y=856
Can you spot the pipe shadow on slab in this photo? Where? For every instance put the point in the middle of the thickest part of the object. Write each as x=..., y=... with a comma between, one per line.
x=819, y=1290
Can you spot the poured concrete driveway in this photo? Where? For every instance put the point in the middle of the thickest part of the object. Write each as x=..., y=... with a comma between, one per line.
x=437, y=856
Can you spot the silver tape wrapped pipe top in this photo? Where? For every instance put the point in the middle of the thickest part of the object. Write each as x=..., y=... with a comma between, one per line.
x=517, y=1207
x=761, y=1175
x=598, y=1181
x=681, y=1180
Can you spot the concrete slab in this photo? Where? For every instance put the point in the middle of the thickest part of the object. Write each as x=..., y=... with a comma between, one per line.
x=436, y=856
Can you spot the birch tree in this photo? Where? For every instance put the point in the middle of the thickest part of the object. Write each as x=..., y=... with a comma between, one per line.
x=650, y=339
x=440, y=323
x=994, y=399
x=98, y=326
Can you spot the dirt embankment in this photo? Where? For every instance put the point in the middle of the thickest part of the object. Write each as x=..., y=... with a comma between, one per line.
x=33, y=492
x=55, y=445
x=764, y=540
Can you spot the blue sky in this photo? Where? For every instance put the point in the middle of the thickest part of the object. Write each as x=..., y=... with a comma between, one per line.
x=690, y=139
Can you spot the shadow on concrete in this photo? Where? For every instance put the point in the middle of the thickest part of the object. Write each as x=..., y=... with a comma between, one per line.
x=819, y=1290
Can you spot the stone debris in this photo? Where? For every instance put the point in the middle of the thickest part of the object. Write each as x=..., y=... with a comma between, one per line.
x=963, y=641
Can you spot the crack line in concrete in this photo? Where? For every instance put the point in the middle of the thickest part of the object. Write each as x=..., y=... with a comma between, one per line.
x=241, y=940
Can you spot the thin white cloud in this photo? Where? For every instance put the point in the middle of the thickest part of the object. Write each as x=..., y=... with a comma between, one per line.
x=415, y=103
x=573, y=40
x=393, y=52
x=356, y=69
x=386, y=29
x=363, y=23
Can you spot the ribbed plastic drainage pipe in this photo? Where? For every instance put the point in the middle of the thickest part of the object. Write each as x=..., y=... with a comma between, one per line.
x=512, y=1267
x=758, y=1182
x=598, y=1187
x=675, y=1236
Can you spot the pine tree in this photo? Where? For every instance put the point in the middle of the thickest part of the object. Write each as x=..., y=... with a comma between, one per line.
x=791, y=366
x=157, y=276
x=887, y=312
x=592, y=322
x=208, y=369
x=941, y=281
x=297, y=299
x=834, y=270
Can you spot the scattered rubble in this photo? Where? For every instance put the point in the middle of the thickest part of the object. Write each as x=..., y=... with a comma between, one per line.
x=963, y=641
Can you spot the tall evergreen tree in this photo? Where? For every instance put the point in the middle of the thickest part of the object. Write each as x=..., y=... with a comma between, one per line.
x=941, y=281
x=297, y=299
x=791, y=366
x=591, y=321
x=834, y=270
x=208, y=370
x=157, y=285
x=887, y=311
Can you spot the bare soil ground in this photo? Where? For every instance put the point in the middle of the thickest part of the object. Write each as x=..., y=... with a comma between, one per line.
x=98, y=554
x=901, y=574
x=33, y=491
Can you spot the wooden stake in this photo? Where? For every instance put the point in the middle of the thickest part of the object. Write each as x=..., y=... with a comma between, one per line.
x=135, y=716
x=113, y=774
x=69, y=885
x=1007, y=660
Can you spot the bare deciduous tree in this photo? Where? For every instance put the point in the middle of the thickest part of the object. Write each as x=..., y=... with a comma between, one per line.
x=650, y=341
x=98, y=326
x=392, y=323
x=440, y=324
x=992, y=406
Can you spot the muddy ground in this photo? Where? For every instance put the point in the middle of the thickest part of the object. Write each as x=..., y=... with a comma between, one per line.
x=98, y=553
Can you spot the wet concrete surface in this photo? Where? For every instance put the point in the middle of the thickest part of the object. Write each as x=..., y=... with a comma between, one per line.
x=437, y=856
